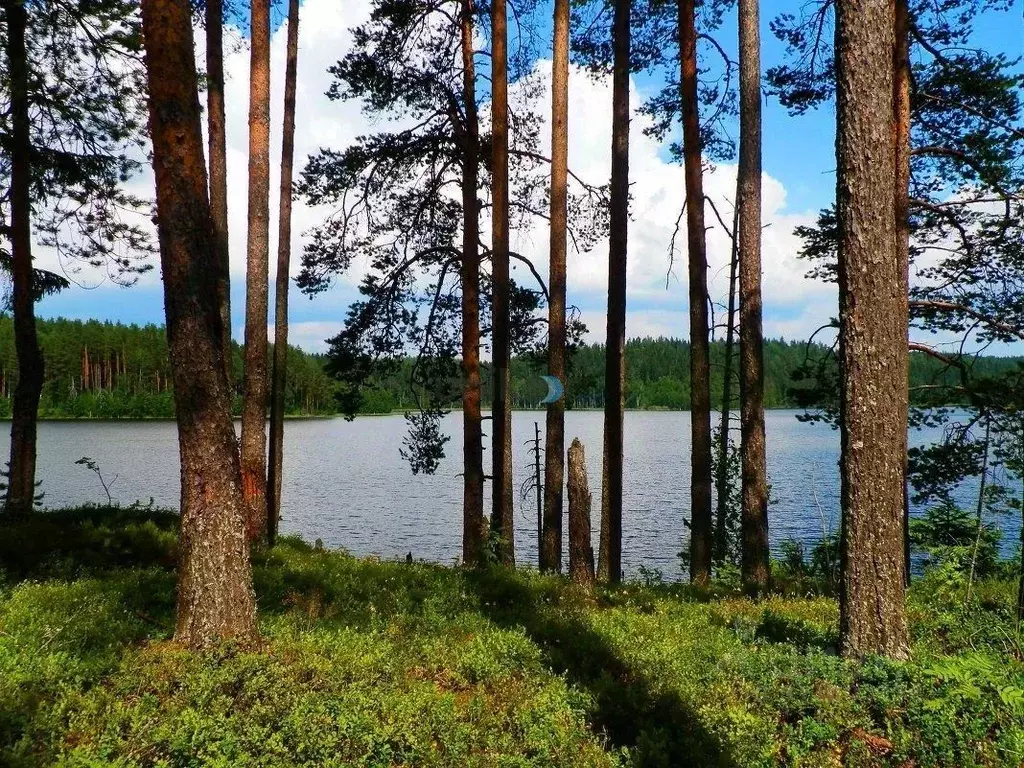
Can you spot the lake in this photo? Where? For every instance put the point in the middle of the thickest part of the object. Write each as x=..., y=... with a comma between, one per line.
x=345, y=483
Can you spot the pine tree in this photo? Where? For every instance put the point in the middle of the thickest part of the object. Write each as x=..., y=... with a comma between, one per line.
x=68, y=163
x=284, y=249
x=502, y=521
x=254, y=394
x=755, y=555
x=614, y=379
x=215, y=592
x=701, y=544
x=554, y=441
x=872, y=337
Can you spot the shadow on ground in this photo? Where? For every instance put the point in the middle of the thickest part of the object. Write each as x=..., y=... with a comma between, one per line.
x=656, y=727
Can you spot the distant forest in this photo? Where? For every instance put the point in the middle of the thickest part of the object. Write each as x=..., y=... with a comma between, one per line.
x=109, y=370
x=658, y=376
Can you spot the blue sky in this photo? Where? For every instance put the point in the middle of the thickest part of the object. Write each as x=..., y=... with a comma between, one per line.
x=798, y=163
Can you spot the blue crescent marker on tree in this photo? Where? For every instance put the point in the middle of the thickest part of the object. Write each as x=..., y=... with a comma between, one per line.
x=555, y=390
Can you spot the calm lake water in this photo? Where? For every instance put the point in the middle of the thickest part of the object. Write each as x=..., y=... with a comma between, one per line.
x=346, y=484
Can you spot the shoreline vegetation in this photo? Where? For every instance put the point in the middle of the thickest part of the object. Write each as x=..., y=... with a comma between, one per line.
x=101, y=370
x=397, y=412
x=385, y=663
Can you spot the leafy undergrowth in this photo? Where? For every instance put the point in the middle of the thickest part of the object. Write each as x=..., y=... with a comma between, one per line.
x=369, y=663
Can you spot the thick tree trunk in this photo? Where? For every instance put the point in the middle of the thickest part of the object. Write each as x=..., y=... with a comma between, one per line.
x=474, y=527
x=615, y=346
x=754, y=562
x=872, y=337
x=700, y=363
x=215, y=594
x=217, y=139
x=581, y=548
x=551, y=550
x=21, y=487
x=501, y=424
x=722, y=478
x=284, y=253
x=257, y=276
x=901, y=132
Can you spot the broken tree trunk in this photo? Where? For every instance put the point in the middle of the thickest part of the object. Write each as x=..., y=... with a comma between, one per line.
x=581, y=549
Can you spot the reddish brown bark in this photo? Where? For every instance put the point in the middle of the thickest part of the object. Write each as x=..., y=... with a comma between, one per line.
x=21, y=480
x=501, y=422
x=615, y=345
x=901, y=136
x=284, y=253
x=755, y=569
x=700, y=362
x=554, y=471
x=474, y=526
x=217, y=142
x=215, y=594
x=872, y=336
x=254, y=382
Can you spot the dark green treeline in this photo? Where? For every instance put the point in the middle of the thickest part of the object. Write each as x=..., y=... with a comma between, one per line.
x=108, y=370
x=658, y=376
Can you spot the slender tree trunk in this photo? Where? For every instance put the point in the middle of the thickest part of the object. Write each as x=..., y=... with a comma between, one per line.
x=722, y=479
x=257, y=276
x=979, y=526
x=215, y=593
x=755, y=567
x=604, y=535
x=551, y=551
x=872, y=337
x=581, y=548
x=474, y=527
x=901, y=131
x=615, y=346
x=217, y=136
x=25, y=406
x=1020, y=580
x=700, y=363
x=284, y=253
x=501, y=432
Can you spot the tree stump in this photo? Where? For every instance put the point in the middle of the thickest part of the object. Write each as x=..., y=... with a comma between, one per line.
x=581, y=550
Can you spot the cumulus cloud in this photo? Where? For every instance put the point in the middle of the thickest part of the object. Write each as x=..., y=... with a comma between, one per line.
x=657, y=295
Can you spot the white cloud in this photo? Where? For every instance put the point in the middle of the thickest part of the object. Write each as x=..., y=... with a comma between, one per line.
x=656, y=187
x=311, y=336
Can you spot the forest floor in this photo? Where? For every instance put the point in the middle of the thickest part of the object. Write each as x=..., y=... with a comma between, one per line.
x=370, y=663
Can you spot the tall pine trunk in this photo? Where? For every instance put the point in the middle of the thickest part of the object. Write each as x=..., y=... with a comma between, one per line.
x=474, y=528
x=215, y=593
x=501, y=421
x=554, y=468
x=721, y=533
x=901, y=133
x=217, y=141
x=284, y=253
x=872, y=337
x=257, y=276
x=22, y=469
x=700, y=362
x=754, y=517
x=615, y=345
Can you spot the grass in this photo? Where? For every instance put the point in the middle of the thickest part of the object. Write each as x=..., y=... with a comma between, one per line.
x=369, y=663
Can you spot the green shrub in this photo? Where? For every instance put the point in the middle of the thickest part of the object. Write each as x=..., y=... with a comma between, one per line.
x=370, y=663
